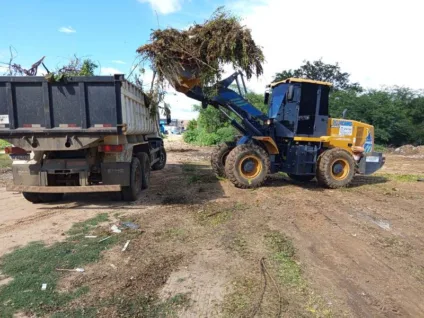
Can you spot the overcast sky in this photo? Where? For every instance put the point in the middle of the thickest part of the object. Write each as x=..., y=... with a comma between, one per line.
x=377, y=42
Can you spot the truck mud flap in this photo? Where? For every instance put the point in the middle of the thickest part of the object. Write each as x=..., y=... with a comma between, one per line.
x=116, y=173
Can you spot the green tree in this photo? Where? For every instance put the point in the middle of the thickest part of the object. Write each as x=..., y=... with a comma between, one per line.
x=320, y=71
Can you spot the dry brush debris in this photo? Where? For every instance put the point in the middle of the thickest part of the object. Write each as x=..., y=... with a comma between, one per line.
x=197, y=55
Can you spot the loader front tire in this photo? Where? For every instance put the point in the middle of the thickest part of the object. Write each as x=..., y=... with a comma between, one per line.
x=336, y=168
x=219, y=156
x=247, y=166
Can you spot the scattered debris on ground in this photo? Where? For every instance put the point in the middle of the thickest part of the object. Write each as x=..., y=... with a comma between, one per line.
x=215, y=250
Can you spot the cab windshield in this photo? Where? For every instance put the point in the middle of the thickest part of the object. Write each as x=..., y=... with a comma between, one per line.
x=278, y=96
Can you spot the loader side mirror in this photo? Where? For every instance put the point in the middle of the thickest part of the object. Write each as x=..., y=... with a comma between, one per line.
x=290, y=93
x=266, y=98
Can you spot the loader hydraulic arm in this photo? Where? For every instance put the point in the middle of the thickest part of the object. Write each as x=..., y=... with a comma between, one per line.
x=227, y=100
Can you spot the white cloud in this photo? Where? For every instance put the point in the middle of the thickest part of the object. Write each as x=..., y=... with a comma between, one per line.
x=3, y=69
x=181, y=105
x=110, y=71
x=164, y=6
x=118, y=62
x=377, y=44
x=67, y=30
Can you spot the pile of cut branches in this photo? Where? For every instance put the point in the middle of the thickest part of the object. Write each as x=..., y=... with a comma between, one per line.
x=199, y=53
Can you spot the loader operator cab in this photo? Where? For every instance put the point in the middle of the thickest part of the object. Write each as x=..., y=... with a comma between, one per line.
x=300, y=105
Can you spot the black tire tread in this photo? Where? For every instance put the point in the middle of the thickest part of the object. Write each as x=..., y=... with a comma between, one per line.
x=160, y=165
x=324, y=161
x=32, y=197
x=216, y=158
x=231, y=160
x=145, y=172
x=129, y=193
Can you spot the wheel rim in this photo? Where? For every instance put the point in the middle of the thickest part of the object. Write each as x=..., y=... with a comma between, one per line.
x=340, y=169
x=250, y=167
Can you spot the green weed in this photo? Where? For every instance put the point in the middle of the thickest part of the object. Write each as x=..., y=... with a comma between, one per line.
x=145, y=306
x=36, y=264
x=4, y=144
x=5, y=161
x=401, y=177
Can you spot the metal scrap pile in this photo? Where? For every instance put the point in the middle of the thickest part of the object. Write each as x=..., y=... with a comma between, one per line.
x=196, y=56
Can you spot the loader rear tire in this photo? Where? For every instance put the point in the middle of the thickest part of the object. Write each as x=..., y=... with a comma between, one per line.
x=219, y=156
x=335, y=169
x=247, y=166
x=301, y=178
x=132, y=192
x=32, y=197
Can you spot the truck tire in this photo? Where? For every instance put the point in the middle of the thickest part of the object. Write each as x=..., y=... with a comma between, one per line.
x=247, y=166
x=159, y=165
x=32, y=197
x=300, y=178
x=50, y=197
x=336, y=168
x=132, y=192
x=145, y=175
x=219, y=156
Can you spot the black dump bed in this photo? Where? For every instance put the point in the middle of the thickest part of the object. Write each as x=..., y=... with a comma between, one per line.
x=81, y=105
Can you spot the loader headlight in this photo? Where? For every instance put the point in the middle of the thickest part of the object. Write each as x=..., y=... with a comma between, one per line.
x=269, y=121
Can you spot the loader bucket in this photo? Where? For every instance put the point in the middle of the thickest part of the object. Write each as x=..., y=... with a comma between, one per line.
x=186, y=79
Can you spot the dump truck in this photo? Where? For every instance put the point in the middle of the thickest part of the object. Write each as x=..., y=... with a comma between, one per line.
x=79, y=135
x=297, y=136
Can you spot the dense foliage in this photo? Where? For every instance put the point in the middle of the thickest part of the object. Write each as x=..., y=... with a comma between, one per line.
x=396, y=113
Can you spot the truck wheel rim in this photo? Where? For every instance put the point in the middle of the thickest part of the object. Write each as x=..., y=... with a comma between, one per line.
x=340, y=169
x=250, y=167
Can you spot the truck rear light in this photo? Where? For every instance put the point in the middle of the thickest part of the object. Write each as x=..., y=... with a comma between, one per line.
x=15, y=151
x=111, y=148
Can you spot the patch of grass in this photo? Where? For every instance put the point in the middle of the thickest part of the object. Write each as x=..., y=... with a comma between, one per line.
x=188, y=168
x=36, y=263
x=239, y=244
x=283, y=254
x=145, y=306
x=89, y=312
x=401, y=177
x=290, y=274
x=240, y=302
x=194, y=179
x=196, y=174
x=4, y=144
x=87, y=226
x=5, y=161
x=216, y=214
x=173, y=234
x=175, y=199
x=395, y=246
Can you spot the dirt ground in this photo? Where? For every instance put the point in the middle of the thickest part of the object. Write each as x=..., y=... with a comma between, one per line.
x=357, y=252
